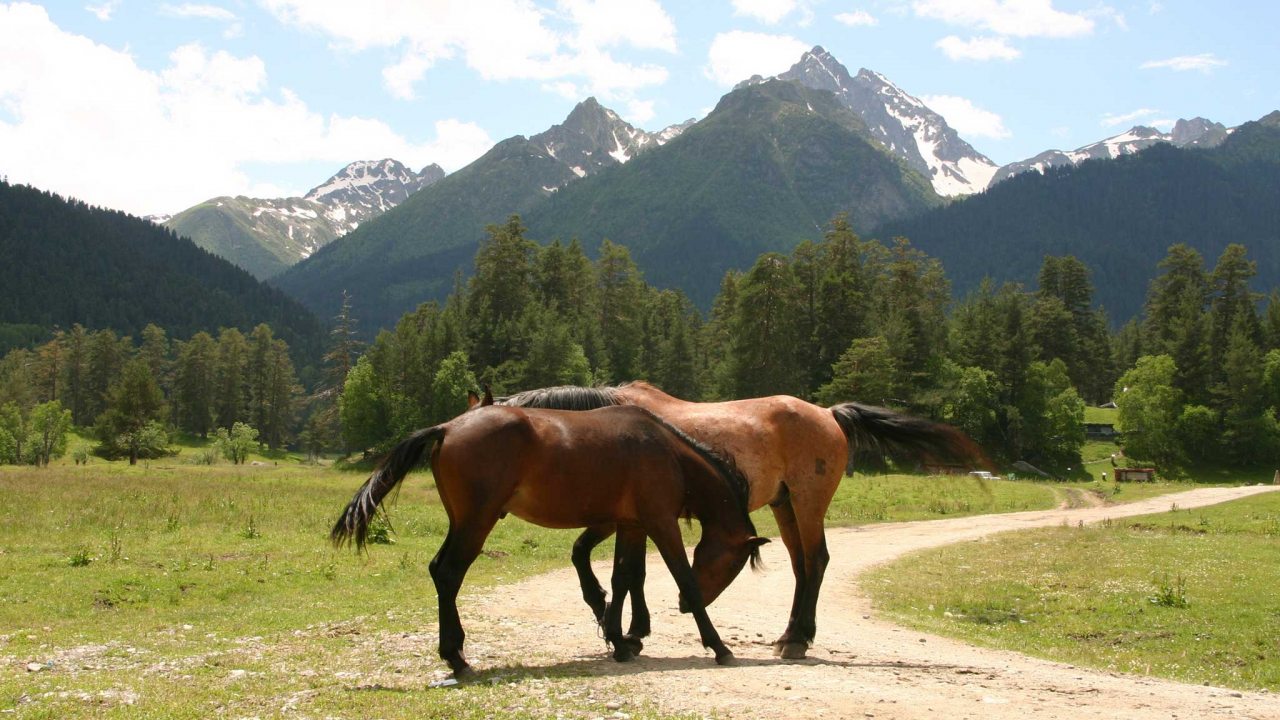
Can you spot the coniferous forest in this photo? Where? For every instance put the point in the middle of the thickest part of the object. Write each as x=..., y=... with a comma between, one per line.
x=1196, y=377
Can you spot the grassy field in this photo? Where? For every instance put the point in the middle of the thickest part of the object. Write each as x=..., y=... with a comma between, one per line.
x=1187, y=594
x=178, y=590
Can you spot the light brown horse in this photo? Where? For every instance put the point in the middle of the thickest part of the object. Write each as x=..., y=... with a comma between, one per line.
x=793, y=454
x=617, y=466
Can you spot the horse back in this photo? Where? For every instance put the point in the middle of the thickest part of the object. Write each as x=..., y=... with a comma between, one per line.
x=561, y=468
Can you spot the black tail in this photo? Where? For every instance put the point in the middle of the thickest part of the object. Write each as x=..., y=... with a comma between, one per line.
x=409, y=454
x=905, y=435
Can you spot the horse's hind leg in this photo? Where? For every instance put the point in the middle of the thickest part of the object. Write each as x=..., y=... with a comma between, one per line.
x=625, y=559
x=639, y=608
x=807, y=544
x=792, y=644
x=448, y=568
x=671, y=546
x=592, y=593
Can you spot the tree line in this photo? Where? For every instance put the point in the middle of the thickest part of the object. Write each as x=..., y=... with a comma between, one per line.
x=131, y=395
x=1197, y=378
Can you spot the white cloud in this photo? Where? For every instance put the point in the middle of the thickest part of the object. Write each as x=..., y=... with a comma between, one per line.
x=498, y=39
x=737, y=55
x=967, y=118
x=1204, y=62
x=1113, y=120
x=1014, y=18
x=198, y=11
x=857, y=18
x=195, y=10
x=149, y=142
x=640, y=24
x=639, y=112
x=766, y=11
x=104, y=10
x=977, y=48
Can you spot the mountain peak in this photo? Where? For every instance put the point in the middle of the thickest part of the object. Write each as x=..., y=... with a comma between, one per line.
x=901, y=123
x=593, y=137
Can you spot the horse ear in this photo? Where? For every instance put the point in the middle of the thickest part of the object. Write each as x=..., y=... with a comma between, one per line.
x=488, y=396
x=472, y=399
x=756, y=542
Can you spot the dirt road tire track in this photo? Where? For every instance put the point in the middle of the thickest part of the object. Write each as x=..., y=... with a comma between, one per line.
x=860, y=666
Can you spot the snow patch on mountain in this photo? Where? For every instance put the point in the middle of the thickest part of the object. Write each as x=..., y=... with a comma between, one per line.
x=1197, y=132
x=899, y=121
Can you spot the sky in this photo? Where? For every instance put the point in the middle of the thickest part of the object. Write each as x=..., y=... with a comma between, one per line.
x=151, y=107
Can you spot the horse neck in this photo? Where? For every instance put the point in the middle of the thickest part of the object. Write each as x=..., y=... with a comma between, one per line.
x=713, y=500
x=647, y=396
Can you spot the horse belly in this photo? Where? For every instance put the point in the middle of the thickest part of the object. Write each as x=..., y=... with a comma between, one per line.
x=571, y=504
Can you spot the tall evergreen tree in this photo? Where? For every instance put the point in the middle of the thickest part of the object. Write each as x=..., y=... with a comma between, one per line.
x=1175, y=323
x=75, y=366
x=107, y=355
x=1231, y=308
x=763, y=334
x=230, y=378
x=500, y=291
x=135, y=408
x=196, y=384
x=621, y=295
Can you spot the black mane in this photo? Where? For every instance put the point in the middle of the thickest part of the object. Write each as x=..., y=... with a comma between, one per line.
x=564, y=397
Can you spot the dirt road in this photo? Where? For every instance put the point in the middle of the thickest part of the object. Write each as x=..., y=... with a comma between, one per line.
x=860, y=666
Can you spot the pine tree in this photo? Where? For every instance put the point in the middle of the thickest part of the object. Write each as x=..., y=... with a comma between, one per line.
x=1231, y=308
x=107, y=355
x=621, y=294
x=75, y=368
x=500, y=291
x=1175, y=323
x=196, y=384
x=763, y=334
x=230, y=378
x=135, y=407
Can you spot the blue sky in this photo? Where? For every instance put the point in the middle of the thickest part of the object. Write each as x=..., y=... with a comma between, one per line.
x=151, y=107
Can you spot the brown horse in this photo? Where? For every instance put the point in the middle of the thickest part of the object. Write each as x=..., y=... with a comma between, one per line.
x=793, y=454
x=618, y=466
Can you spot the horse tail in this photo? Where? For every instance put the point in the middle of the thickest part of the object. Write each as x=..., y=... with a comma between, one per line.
x=905, y=435
x=409, y=454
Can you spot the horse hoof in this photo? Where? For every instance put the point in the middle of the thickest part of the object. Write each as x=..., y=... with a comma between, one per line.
x=790, y=650
x=726, y=659
x=622, y=652
x=633, y=644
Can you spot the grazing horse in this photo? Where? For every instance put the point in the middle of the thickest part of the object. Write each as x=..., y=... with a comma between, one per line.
x=617, y=466
x=793, y=454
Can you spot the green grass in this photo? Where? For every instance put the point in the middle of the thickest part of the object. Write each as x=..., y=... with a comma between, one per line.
x=1187, y=594
x=1101, y=415
x=176, y=590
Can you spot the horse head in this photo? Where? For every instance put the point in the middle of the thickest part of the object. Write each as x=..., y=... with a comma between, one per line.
x=718, y=558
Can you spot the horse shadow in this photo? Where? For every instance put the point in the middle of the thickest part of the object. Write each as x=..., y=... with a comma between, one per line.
x=604, y=667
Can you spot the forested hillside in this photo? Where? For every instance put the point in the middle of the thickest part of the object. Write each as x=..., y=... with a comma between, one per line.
x=67, y=263
x=1118, y=216
x=765, y=170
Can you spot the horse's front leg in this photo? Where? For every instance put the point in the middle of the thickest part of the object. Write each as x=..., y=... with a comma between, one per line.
x=592, y=593
x=671, y=546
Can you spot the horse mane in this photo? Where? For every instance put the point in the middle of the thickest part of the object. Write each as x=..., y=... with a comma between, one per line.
x=564, y=397
x=728, y=470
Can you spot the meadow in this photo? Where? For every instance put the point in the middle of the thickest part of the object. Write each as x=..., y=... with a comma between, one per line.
x=175, y=589
x=1185, y=594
